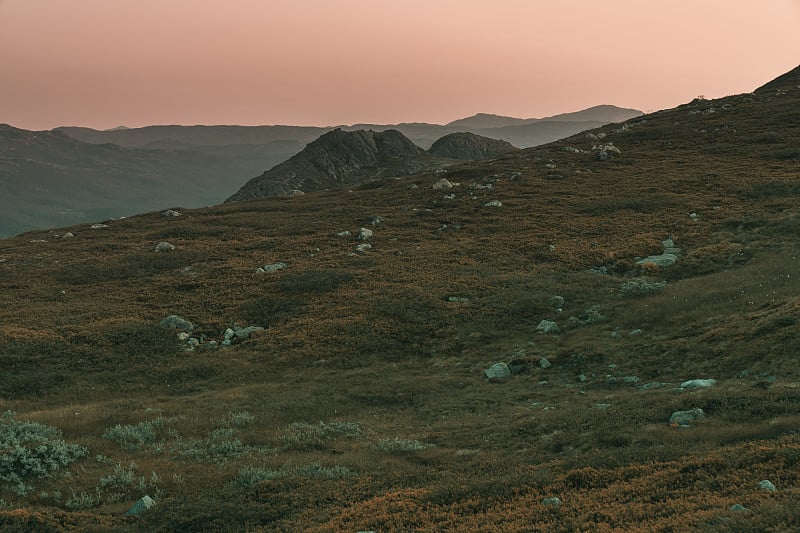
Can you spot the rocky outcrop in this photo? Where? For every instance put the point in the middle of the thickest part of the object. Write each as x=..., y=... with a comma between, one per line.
x=339, y=159
x=469, y=147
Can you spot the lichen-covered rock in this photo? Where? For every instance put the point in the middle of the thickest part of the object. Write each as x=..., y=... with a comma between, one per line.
x=178, y=323
x=497, y=371
x=683, y=418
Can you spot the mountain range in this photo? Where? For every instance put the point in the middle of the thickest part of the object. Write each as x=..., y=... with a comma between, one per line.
x=70, y=175
x=596, y=334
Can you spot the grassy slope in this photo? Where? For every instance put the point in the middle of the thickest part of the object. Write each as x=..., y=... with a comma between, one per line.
x=371, y=340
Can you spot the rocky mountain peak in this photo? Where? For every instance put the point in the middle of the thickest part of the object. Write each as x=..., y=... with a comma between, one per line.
x=469, y=146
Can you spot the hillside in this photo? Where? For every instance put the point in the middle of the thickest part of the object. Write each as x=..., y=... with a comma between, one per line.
x=597, y=334
x=50, y=179
x=469, y=147
x=339, y=159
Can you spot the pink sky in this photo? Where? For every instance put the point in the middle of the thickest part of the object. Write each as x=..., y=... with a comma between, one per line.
x=104, y=63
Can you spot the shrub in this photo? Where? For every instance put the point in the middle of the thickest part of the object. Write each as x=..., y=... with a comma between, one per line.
x=218, y=447
x=82, y=501
x=269, y=310
x=300, y=435
x=239, y=420
x=640, y=287
x=317, y=471
x=398, y=445
x=134, y=437
x=31, y=451
x=249, y=476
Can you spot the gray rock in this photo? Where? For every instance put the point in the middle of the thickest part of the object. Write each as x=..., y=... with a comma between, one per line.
x=631, y=380
x=683, y=418
x=443, y=184
x=295, y=193
x=170, y=213
x=634, y=333
x=164, y=247
x=497, y=371
x=374, y=221
x=364, y=234
x=238, y=334
x=557, y=302
x=582, y=378
x=738, y=507
x=176, y=322
x=767, y=485
x=272, y=267
x=458, y=299
x=668, y=243
x=344, y=233
x=98, y=226
x=547, y=326
x=555, y=501
x=144, y=504
x=698, y=383
x=493, y=203
x=68, y=235
x=363, y=247
x=544, y=363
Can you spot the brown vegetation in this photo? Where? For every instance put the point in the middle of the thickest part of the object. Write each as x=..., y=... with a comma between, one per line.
x=363, y=404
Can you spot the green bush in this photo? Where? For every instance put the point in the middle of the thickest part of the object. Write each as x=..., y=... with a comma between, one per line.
x=218, y=447
x=31, y=451
x=134, y=437
x=398, y=445
x=250, y=476
x=300, y=435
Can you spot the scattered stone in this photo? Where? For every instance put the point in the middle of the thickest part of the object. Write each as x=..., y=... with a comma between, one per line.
x=631, y=380
x=767, y=485
x=176, y=322
x=602, y=406
x=640, y=287
x=238, y=334
x=182, y=336
x=493, y=203
x=450, y=196
x=683, y=418
x=738, y=507
x=68, y=235
x=344, y=233
x=557, y=302
x=363, y=247
x=145, y=503
x=413, y=186
x=555, y=501
x=582, y=378
x=653, y=385
x=98, y=226
x=615, y=335
x=497, y=371
x=547, y=326
x=694, y=216
x=698, y=383
x=364, y=234
x=605, y=151
x=170, y=213
x=374, y=221
x=634, y=333
x=443, y=184
x=164, y=247
x=458, y=299
x=272, y=267
x=295, y=193
x=544, y=363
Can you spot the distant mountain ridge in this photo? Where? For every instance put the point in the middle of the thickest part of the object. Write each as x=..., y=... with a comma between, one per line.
x=72, y=174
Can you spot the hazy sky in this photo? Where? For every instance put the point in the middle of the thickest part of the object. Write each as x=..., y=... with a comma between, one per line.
x=104, y=63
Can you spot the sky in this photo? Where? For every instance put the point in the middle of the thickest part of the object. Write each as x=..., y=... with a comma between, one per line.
x=107, y=63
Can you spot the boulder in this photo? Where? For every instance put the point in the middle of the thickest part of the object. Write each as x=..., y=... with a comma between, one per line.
x=164, y=247
x=698, y=383
x=145, y=503
x=497, y=371
x=272, y=267
x=547, y=326
x=683, y=418
x=178, y=323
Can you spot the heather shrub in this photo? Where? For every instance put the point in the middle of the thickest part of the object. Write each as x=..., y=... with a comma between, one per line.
x=30, y=451
x=134, y=437
x=398, y=445
x=300, y=435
